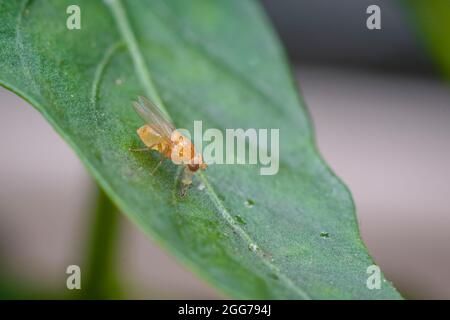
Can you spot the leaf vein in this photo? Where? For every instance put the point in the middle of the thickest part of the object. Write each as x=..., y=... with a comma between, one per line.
x=99, y=72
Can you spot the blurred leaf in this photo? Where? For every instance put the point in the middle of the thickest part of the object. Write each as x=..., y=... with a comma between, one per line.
x=218, y=61
x=433, y=21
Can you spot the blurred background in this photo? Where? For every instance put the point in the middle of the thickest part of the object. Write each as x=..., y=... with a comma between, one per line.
x=381, y=112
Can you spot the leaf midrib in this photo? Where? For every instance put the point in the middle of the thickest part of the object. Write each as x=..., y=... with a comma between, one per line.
x=120, y=17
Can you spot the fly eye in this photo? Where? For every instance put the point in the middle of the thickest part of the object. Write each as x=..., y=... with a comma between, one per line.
x=193, y=167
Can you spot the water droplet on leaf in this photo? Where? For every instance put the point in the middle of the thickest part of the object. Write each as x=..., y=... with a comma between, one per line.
x=201, y=187
x=274, y=276
x=240, y=220
x=249, y=203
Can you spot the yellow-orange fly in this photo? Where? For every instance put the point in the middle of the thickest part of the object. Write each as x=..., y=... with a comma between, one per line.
x=159, y=134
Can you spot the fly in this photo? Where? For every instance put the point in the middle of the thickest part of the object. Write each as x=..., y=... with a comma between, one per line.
x=160, y=134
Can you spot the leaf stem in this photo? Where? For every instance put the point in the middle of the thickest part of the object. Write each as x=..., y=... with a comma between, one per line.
x=100, y=280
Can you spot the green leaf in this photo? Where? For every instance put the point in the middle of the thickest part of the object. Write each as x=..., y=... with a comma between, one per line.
x=433, y=23
x=290, y=235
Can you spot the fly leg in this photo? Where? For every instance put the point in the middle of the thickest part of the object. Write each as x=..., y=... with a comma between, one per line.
x=160, y=161
x=142, y=149
x=186, y=181
x=138, y=149
x=148, y=149
x=157, y=166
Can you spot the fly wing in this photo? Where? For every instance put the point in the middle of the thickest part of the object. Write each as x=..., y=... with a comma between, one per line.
x=153, y=116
